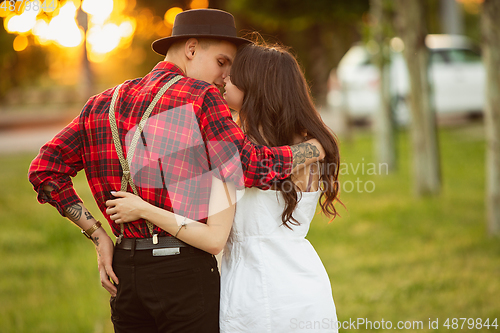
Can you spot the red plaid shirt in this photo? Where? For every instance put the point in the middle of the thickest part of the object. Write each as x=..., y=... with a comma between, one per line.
x=87, y=143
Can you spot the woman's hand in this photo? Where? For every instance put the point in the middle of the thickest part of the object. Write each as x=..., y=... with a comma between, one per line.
x=128, y=207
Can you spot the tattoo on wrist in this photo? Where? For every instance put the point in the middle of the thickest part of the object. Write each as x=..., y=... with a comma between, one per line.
x=302, y=152
x=74, y=212
x=88, y=215
x=96, y=241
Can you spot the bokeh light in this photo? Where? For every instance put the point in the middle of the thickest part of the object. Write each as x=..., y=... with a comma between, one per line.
x=53, y=22
x=20, y=43
x=4, y=9
x=99, y=10
x=21, y=23
x=397, y=44
x=19, y=7
x=199, y=4
x=41, y=31
x=63, y=28
x=103, y=39
x=49, y=6
x=171, y=14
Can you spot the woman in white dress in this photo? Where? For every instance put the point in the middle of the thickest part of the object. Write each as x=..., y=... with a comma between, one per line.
x=272, y=279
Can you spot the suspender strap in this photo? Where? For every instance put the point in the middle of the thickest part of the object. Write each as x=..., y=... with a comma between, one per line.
x=125, y=163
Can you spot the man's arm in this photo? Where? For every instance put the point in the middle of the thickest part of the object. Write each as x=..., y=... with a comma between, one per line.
x=58, y=161
x=79, y=215
x=50, y=173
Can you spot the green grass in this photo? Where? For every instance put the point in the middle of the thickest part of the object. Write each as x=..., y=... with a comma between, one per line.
x=397, y=257
x=391, y=256
x=48, y=272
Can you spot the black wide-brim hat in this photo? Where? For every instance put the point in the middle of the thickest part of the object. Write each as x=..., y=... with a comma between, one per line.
x=208, y=23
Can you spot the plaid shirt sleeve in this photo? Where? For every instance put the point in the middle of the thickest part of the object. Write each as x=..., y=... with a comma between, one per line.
x=58, y=161
x=261, y=165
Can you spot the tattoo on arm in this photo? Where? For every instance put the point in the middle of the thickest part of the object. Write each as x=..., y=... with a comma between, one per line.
x=302, y=152
x=74, y=212
x=88, y=215
x=96, y=242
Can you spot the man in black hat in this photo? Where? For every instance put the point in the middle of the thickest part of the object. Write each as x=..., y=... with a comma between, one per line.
x=161, y=284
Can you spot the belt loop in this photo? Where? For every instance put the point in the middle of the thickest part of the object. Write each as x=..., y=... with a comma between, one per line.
x=132, y=250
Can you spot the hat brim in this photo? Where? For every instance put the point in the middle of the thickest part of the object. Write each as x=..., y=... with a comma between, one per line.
x=162, y=45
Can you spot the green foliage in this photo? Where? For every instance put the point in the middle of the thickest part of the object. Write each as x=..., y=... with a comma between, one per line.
x=319, y=32
x=19, y=68
x=306, y=13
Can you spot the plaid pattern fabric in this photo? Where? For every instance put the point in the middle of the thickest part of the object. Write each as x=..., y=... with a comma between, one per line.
x=189, y=137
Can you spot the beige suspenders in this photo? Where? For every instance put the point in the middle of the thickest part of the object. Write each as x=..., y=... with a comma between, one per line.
x=125, y=163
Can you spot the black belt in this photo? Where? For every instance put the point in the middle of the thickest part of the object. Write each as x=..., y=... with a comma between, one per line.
x=147, y=243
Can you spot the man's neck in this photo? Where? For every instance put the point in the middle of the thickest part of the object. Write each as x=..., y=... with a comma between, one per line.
x=176, y=60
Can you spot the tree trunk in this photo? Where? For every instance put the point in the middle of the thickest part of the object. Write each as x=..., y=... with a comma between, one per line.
x=318, y=70
x=491, y=58
x=452, y=17
x=87, y=87
x=384, y=121
x=411, y=25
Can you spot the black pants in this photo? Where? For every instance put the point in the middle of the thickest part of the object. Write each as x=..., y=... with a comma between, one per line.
x=167, y=294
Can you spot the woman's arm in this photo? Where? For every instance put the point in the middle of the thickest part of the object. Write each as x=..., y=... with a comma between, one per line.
x=210, y=237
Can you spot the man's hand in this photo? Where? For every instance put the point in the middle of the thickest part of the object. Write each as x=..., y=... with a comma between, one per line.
x=105, y=247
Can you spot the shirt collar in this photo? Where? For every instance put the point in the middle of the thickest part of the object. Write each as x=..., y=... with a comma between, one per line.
x=168, y=67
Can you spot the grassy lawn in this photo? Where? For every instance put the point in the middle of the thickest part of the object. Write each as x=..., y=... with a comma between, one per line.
x=391, y=256
x=48, y=274
x=395, y=257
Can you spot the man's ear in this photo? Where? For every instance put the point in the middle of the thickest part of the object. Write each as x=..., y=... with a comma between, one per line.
x=190, y=48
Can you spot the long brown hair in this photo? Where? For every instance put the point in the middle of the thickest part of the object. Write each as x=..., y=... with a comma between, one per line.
x=277, y=106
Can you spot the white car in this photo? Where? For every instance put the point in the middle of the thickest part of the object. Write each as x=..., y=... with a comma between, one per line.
x=457, y=76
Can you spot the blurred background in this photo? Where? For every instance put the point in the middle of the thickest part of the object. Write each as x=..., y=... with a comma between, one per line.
x=61, y=52
x=405, y=85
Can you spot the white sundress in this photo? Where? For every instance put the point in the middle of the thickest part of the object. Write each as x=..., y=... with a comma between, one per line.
x=272, y=279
